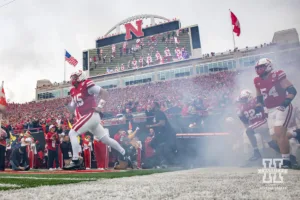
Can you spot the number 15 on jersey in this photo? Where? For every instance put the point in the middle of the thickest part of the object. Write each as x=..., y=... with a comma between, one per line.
x=78, y=100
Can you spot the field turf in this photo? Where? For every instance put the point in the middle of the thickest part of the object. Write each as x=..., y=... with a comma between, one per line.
x=9, y=181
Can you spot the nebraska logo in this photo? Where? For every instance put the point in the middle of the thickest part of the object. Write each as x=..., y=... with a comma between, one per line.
x=138, y=32
x=271, y=173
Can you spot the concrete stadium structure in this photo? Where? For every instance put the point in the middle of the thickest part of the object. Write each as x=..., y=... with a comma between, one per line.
x=284, y=42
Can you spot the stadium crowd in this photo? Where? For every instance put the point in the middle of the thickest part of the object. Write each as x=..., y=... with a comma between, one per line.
x=209, y=91
x=190, y=95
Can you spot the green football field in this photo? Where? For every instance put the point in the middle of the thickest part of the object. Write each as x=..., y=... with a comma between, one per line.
x=201, y=183
x=9, y=181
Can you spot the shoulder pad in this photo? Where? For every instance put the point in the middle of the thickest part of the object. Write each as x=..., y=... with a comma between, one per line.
x=280, y=74
x=89, y=83
x=256, y=80
x=71, y=91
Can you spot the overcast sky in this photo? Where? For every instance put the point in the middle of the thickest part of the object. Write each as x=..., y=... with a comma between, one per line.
x=34, y=33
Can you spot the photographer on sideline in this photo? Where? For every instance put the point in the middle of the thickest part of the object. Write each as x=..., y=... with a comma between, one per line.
x=19, y=158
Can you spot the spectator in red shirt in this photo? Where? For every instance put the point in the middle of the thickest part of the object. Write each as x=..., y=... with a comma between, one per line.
x=149, y=151
x=121, y=133
x=151, y=159
x=52, y=141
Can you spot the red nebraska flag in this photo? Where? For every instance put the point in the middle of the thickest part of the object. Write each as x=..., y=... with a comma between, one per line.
x=236, y=24
x=3, y=102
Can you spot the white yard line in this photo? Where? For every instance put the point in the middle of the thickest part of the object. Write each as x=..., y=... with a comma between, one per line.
x=46, y=178
x=9, y=185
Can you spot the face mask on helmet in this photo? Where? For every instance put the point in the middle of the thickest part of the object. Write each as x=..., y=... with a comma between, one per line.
x=261, y=70
x=243, y=99
x=74, y=79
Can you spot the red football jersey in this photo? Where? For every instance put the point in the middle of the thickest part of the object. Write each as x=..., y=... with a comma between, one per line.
x=247, y=110
x=270, y=88
x=85, y=103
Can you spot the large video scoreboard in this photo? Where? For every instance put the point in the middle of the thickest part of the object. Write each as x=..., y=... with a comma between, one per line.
x=142, y=47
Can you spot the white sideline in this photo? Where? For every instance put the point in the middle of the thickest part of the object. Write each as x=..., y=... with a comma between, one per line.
x=46, y=178
x=9, y=185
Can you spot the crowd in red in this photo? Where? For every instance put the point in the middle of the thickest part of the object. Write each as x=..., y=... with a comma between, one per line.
x=211, y=89
x=36, y=114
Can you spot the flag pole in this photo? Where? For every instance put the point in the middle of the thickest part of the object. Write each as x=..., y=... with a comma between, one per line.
x=65, y=66
x=2, y=85
x=233, y=39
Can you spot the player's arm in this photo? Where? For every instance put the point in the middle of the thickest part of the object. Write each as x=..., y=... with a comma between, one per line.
x=99, y=92
x=259, y=101
x=259, y=98
x=291, y=92
x=103, y=94
x=71, y=106
x=244, y=119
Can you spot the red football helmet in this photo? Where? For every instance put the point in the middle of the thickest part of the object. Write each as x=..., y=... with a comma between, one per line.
x=263, y=66
x=77, y=77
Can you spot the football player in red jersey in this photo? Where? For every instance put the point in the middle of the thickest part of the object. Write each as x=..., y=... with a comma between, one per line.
x=253, y=122
x=275, y=92
x=84, y=94
x=257, y=123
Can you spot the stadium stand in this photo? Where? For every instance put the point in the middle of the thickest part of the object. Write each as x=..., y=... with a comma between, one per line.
x=210, y=88
x=103, y=60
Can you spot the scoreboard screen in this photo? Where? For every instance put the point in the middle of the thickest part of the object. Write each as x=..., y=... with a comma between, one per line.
x=164, y=47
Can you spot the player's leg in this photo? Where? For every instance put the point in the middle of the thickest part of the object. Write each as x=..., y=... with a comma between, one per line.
x=294, y=146
x=282, y=121
x=270, y=140
x=293, y=128
x=103, y=135
x=270, y=121
x=80, y=127
x=273, y=144
x=251, y=136
x=251, y=130
x=293, y=141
